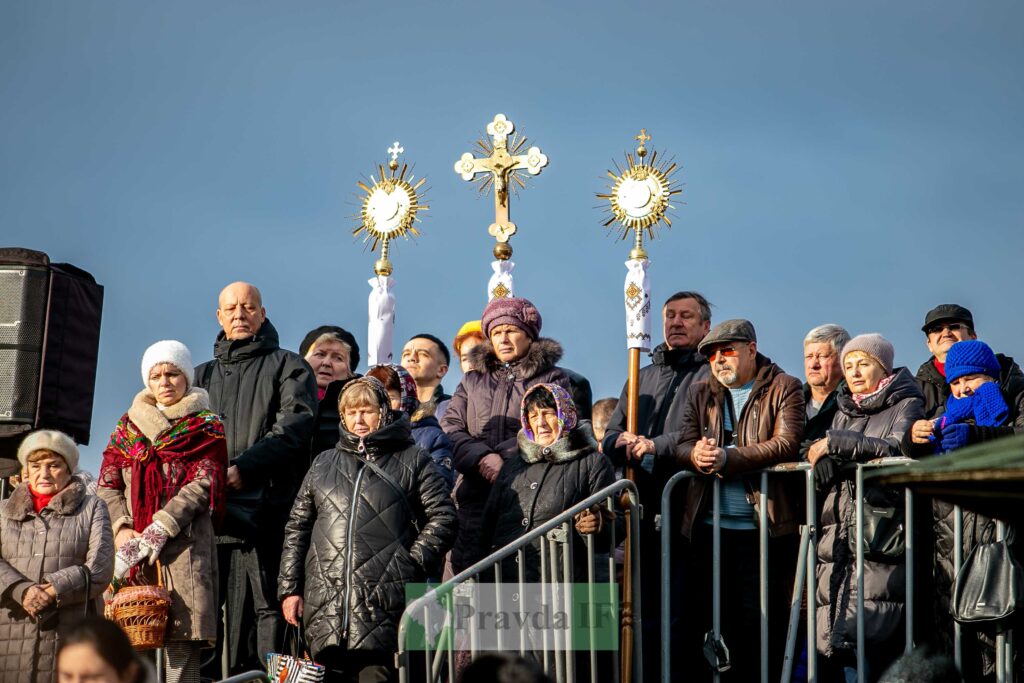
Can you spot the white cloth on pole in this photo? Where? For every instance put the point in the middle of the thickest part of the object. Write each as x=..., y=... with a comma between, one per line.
x=637, y=291
x=500, y=286
x=381, y=332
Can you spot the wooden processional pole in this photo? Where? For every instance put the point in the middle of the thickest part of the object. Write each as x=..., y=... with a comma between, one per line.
x=638, y=200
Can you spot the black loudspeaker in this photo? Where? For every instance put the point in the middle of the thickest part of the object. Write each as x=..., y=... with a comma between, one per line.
x=49, y=341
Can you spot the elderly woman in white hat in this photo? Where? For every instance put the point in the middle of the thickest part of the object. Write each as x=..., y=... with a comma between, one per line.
x=42, y=589
x=162, y=478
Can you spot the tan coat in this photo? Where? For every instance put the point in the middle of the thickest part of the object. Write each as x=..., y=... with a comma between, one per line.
x=190, y=556
x=53, y=546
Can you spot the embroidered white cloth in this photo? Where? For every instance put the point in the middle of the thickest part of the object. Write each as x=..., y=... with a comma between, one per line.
x=381, y=332
x=500, y=286
x=637, y=291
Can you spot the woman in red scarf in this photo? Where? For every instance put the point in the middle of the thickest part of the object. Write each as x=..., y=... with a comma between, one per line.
x=162, y=478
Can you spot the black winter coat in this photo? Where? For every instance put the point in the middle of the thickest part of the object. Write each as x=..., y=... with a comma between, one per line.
x=660, y=419
x=351, y=543
x=936, y=390
x=874, y=429
x=483, y=417
x=528, y=494
x=266, y=397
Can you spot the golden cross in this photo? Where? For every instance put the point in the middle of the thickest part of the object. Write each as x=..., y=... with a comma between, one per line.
x=501, y=165
x=643, y=137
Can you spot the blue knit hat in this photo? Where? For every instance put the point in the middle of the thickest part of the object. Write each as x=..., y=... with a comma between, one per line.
x=971, y=357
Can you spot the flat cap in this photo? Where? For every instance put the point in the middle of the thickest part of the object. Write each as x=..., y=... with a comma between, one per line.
x=947, y=312
x=736, y=329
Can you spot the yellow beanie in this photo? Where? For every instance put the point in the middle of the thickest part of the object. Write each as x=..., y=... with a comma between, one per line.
x=470, y=329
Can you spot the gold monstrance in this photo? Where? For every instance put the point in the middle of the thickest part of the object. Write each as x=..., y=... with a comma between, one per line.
x=638, y=200
x=389, y=210
x=501, y=167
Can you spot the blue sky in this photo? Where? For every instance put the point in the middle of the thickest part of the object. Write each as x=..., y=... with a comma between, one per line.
x=844, y=162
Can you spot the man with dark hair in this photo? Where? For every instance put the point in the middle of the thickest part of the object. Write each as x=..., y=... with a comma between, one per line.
x=686, y=318
x=427, y=358
x=945, y=325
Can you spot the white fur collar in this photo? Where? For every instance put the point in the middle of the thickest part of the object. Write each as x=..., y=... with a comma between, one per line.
x=151, y=421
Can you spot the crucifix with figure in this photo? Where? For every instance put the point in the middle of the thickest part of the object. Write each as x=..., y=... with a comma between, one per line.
x=499, y=168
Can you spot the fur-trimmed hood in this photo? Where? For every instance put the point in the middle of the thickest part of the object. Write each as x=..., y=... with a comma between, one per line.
x=543, y=354
x=575, y=444
x=66, y=502
x=152, y=421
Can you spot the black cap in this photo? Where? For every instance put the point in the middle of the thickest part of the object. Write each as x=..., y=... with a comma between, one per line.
x=345, y=335
x=727, y=331
x=947, y=312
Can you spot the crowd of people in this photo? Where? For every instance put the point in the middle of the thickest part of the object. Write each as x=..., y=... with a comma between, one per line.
x=275, y=489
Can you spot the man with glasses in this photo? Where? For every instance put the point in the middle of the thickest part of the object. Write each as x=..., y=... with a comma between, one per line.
x=747, y=416
x=944, y=326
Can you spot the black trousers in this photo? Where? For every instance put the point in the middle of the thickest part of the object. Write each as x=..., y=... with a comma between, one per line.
x=651, y=582
x=741, y=605
x=357, y=666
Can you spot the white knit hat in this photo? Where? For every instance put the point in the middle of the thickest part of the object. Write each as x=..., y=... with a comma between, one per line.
x=167, y=351
x=49, y=440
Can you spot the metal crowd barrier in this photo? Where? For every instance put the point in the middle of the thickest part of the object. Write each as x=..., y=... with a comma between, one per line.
x=557, y=575
x=247, y=677
x=805, y=572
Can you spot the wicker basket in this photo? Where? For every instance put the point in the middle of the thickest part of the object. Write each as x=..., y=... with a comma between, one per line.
x=141, y=612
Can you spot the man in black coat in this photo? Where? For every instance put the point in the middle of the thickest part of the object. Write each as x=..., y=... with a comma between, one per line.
x=266, y=397
x=945, y=325
x=686, y=318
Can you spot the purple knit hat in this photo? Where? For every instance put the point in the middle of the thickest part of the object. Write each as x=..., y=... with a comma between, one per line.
x=514, y=311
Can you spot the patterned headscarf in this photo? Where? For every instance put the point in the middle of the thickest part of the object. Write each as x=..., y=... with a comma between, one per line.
x=409, y=399
x=387, y=415
x=564, y=406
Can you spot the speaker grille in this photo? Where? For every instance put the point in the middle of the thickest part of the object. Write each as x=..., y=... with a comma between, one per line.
x=23, y=298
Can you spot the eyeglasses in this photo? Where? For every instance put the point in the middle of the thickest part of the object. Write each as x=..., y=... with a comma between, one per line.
x=952, y=327
x=726, y=352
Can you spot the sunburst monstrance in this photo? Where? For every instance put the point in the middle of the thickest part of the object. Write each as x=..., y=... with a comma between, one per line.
x=639, y=195
x=390, y=207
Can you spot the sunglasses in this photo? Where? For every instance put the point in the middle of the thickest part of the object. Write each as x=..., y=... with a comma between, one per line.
x=952, y=327
x=727, y=352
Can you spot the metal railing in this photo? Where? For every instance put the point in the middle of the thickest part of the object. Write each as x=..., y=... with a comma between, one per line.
x=806, y=570
x=555, y=540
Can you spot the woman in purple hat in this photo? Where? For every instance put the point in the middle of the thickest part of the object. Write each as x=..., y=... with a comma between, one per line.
x=482, y=420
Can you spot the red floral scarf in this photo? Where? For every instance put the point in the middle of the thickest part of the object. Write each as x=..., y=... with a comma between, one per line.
x=192, y=447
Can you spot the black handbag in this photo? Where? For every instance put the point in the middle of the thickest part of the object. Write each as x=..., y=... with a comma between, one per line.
x=883, y=535
x=987, y=588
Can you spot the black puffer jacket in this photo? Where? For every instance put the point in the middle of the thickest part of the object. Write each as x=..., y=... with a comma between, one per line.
x=538, y=483
x=483, y=417
x=266, y=397
x=936, y=390
x=660, y=419
x=351, y=543
x=874, y=429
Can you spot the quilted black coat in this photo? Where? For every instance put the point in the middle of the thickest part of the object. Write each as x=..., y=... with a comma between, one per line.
x=352, y=543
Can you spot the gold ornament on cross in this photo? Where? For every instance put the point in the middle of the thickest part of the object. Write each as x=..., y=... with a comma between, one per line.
x=639, y=195
x=390, y=207
x=501, y=167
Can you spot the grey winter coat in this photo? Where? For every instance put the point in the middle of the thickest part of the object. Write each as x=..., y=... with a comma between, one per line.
x=189, y=558
x=352, y=544
x=483, y=417
x=266, y=397
x=71, y=532
x=874, y=429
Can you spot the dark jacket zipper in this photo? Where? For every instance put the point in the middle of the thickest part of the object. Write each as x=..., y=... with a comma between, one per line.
x=348, y=545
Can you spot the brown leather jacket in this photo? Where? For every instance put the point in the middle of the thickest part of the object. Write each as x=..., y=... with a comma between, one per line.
x=770, y=429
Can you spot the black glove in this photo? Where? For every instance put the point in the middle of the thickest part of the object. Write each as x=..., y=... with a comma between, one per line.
x=805, y=446
x=826, y=471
